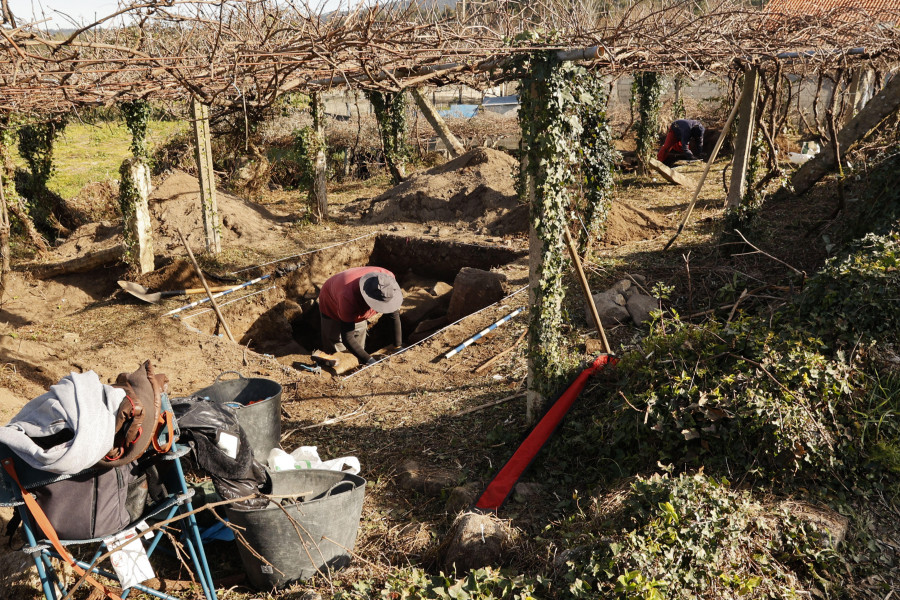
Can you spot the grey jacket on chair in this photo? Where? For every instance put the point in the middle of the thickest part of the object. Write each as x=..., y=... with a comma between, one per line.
x=80, y=403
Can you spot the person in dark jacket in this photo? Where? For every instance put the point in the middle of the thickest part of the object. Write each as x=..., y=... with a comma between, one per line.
x=678, y=142
x=348, y=300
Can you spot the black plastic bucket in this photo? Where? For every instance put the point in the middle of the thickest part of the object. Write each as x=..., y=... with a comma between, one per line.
x=257, y=403
x=314, y=532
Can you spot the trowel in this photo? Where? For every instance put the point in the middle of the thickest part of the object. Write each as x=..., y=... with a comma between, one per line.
x=139, y=291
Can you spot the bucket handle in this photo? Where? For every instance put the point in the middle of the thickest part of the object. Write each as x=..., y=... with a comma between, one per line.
x=238, y=373
x=333, y=489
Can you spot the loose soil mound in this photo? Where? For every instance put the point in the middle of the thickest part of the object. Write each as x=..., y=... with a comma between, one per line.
x=477, y=187
x=175, y=204
x=627, y=224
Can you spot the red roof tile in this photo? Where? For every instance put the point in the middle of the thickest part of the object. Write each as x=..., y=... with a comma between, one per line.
x=813, y=7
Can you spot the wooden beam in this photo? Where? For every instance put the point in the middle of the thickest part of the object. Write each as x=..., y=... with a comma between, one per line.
x=438, y=124
x=212, y=224
x=743, y=142
x=671, y=175
x=81, y=264
x=878, y=108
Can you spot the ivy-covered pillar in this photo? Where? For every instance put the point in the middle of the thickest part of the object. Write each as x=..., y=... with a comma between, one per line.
x=549, y=143
x=390, y=112
x=598, y=160
x=647, y=89
x=319, y=189
x=134, y=190
x=212, y=225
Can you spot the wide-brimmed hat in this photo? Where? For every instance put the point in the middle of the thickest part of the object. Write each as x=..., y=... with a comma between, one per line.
x=381, y=292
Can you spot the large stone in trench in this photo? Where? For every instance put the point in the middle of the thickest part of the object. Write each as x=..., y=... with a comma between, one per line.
x=475, y=541
x=473, y=289
x=610, y=308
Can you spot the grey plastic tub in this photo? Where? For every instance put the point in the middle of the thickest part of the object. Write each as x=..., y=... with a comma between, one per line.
x=303, y=536
x=257, y=404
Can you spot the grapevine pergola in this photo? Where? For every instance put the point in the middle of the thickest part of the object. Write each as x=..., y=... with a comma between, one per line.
x=232, y=56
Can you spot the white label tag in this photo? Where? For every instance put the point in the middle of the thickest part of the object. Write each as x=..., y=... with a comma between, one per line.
x=130, y=562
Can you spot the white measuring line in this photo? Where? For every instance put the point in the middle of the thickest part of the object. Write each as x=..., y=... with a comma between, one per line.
x=271, y=287
x=441, y=330
x=304, y=253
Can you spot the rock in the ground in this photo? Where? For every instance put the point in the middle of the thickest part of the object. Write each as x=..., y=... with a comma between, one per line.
x=527, y=491
x=441, y=288
x=476, y=541
x=640, y=279
x=825, y=519
x=474, y=289
x=621, y=286
x=610, y=307
x=425, y=479
x=592, y=346
x=639, y=307
x=462, y=497
x=417, y=303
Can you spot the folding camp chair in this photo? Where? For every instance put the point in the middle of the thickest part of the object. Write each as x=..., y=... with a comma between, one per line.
x=175, y=505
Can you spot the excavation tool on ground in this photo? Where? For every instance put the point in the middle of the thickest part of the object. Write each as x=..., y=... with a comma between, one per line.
x=280, y=272
x=139, y=291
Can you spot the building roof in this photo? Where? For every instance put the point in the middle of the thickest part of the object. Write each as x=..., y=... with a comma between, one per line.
x=813, y=7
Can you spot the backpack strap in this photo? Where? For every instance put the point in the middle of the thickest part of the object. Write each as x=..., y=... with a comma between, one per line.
x=41, y=519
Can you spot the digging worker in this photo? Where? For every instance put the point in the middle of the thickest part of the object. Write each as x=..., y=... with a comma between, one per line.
x=349, y=299
x=678, y=142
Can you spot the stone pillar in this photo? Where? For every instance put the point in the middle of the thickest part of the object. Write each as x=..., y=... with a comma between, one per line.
x=320, y=178
x=212, y=224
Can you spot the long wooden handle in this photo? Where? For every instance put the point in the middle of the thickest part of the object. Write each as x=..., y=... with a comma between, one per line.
x=589, y=298
x=189, y=291
x=206, y=289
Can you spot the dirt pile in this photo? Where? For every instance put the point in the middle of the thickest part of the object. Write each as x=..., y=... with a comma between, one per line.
x=175, y=204
x=627, y=224
x=477, y=187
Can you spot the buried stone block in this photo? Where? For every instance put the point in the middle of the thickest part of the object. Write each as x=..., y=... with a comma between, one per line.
x=475, y=541
x=425, y=479
x=473, y=289
x=610, y=307
x=640, y=306
x=462, y=497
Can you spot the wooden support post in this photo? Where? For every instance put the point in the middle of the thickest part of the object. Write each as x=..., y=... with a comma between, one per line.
x=454, y=147
x=212, y=226
x=859, y=92
x=743, y=143
x=876, y=110
x=320, y=180
x=671, y=175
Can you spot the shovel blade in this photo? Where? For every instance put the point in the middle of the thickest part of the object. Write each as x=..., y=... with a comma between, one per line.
x=139, y=291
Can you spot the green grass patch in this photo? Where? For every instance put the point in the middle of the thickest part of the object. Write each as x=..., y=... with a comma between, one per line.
x=85, y=153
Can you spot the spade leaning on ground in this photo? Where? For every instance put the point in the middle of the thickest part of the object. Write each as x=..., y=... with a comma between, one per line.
x=349, y=299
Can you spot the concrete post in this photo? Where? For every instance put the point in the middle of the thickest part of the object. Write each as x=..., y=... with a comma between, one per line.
x=212, y=225
x=859, y=93
x=138, y=232
x=320, y=181
x=744, y=141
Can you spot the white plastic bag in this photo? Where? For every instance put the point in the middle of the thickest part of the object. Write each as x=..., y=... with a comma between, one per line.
x=307, y=457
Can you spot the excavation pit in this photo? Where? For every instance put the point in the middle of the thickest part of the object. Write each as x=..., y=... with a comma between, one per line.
x=284, y=320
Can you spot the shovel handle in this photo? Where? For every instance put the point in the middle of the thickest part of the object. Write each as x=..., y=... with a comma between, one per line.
x=189, y=291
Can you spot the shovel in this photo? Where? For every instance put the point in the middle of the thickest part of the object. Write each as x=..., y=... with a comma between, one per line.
x=139, y=291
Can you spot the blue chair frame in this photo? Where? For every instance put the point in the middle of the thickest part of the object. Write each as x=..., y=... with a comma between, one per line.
x=178, y=501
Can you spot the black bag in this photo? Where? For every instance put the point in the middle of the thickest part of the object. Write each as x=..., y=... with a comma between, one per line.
x=202, y=422
x=94, y=504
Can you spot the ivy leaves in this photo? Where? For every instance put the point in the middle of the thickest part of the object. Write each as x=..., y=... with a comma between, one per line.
x=137, y=118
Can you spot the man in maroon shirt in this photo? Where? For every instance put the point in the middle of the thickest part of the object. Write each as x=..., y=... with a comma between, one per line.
x=346, y=302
